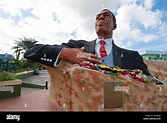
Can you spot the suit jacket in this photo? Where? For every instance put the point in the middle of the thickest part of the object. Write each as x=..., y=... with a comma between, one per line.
x=123, y=58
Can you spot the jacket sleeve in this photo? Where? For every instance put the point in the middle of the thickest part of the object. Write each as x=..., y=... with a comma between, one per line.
x=44, y=54
x=48, y=54
x=139, y=63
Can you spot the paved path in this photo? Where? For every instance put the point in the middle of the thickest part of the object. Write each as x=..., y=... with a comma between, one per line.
x=32, y=99
x=36, y=79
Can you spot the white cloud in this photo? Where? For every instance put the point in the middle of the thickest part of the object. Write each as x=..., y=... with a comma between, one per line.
x=135, y=22
x=53, y=21
x=148, y=4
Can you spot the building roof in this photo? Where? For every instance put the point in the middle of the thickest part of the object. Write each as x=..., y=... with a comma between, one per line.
x=6, y=56
x=153, y=52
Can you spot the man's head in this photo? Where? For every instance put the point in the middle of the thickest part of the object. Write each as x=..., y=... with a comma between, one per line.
x=105, y=23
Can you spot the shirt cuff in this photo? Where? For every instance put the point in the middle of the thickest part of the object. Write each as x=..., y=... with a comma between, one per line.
x=56, y=64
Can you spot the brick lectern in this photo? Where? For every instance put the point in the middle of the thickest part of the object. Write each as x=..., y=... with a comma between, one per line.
x=81, y=89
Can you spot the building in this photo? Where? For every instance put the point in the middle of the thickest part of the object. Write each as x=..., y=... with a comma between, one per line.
x=154, y=55
x=6, y=57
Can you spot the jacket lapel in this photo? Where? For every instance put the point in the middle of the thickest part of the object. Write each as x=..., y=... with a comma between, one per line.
x=90, y=47
x=117, y=55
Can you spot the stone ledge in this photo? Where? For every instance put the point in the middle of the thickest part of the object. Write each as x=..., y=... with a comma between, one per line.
x=81, y=89
x=11, y=82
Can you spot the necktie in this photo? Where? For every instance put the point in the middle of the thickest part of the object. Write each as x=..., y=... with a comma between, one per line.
x=102, y=50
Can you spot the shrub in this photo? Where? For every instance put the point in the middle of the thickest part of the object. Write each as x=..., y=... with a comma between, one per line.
x=5, y=76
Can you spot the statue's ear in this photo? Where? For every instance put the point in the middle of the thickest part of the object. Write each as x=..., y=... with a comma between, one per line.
x=115, y=26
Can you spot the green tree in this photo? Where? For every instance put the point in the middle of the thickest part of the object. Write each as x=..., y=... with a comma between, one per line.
x=22, y=45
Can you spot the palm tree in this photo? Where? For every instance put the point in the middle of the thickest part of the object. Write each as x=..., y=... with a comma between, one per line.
x=22, y=45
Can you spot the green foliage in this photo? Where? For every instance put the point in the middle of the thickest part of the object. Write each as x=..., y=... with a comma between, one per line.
x=22, y=45
x=5, y=76
x=114, y=75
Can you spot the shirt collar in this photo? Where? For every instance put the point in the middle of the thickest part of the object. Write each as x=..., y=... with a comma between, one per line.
x=108, y=41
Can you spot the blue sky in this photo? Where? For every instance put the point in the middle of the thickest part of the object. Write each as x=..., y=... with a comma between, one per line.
x=141, y=24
